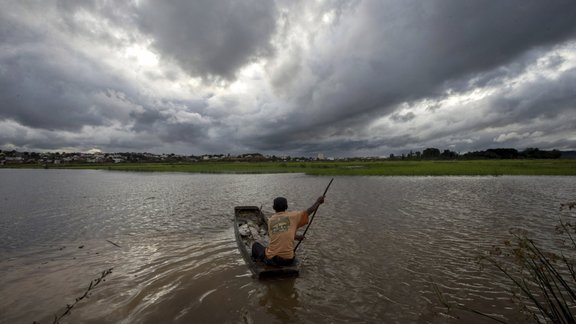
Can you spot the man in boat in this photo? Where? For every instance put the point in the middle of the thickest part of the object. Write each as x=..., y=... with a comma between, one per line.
x=282, y=227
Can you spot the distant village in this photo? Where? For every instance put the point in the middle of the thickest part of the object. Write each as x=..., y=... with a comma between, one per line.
x=15, y=157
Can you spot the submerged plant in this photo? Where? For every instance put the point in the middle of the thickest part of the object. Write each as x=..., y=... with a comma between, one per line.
x=93, y=284
x=544, y=282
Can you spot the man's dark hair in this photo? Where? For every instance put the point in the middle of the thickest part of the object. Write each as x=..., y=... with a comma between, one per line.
x=280, y=204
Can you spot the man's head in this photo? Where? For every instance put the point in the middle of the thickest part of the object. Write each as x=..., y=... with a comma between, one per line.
x=280, y=204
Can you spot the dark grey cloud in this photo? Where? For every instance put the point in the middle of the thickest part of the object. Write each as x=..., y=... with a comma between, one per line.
x=46, y=84
x=403, y=117
x=341, y=77
x=170, y=130
x=37, y=93
x=392, y=52
x=400, y=51
x=144, y=121
x=211, y=39
x=540, y=102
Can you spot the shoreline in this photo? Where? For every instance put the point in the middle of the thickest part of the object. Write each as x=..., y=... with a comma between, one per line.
x=348, y=168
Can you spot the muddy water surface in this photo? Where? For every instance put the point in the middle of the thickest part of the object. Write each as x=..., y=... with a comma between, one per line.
x=373, y=251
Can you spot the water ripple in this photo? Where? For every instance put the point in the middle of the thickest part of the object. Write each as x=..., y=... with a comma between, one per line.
x=373, y=254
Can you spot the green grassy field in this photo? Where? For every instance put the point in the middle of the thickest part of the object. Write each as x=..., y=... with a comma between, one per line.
x=381, y=168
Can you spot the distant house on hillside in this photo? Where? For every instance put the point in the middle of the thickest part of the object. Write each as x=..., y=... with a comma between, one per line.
x=13, y=159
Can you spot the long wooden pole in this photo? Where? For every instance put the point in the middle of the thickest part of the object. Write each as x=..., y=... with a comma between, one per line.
x=313, y=215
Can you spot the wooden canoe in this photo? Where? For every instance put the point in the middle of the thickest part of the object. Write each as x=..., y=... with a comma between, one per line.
x=250, y=225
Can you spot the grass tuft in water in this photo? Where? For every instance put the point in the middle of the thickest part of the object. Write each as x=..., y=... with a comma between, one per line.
x=544, y=282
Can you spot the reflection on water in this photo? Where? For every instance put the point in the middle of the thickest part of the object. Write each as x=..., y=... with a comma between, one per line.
x=280, y=299
x=377, y=245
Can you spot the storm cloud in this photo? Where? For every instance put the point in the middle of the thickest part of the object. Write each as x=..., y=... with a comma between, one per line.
x=212, y=39
x=344, y=78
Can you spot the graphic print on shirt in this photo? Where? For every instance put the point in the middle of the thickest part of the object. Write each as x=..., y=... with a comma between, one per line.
x=280, y=225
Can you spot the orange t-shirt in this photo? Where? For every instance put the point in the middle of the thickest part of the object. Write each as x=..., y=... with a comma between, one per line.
x=282, y=228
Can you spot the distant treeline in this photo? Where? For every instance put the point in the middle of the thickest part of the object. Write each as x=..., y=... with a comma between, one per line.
x=490, y=154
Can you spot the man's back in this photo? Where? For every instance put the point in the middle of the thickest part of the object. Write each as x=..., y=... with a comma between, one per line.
x=282, y=229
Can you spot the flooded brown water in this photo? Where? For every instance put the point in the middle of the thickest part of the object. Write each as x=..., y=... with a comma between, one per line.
x=371, y=256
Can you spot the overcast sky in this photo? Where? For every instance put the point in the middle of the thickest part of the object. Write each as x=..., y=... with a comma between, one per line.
x=343, y=78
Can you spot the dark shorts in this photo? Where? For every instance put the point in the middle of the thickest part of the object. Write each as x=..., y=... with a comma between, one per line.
x=259, y=253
